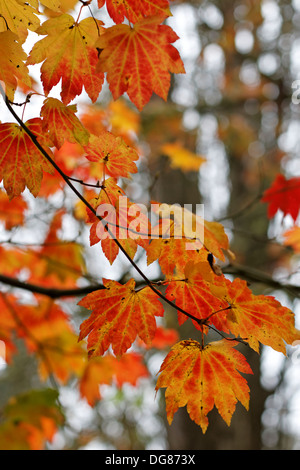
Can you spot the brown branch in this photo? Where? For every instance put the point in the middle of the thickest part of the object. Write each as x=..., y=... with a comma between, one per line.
x=51, y=292
x=255, y=275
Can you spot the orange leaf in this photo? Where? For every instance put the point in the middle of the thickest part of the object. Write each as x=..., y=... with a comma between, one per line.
x=116, y=157
x=201, y=378
x=21, y=163
x=192, y=293
x=182, y=236
x=68, y=53
x=31, y=419
x=138, y=60
x=258, y=318
x=12, y=67
x=61, y=261
x=134, y=10
x=292, y=238
x=12, y=212
x=16, y=16
x=62, y=124
x=107, y=370
x=119, y=314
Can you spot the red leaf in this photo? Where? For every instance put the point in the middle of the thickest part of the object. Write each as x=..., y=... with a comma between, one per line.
x=283, y=195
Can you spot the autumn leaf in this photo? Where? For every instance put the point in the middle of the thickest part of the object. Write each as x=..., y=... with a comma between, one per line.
x=117, y=158
x=138, y=60
x=284, y=195
x=13, y=71
x=292, y=238
x=31, y=420
x=134, y=10
x=121, y=220
x=61, y=261
x=123, y=119
x=119, y=315
x=61, y=6
x=192, y=293
x=15, y=216
x=201, y=378
x=182, y=158
x=61, y=356
x=18, y=16
x=70, y=160
x=182, y=236
x=21, y=163
x=258, y=318
x=109, y=370
x=62, y=124
x=163, y=338
x=68, y=54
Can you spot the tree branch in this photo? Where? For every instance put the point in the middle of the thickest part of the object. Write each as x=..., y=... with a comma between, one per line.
x=255, y=275
x=51, y=292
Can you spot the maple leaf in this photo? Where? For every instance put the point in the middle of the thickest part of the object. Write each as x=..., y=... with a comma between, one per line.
x=200, y=378
x=124, y=119
x=116, y=157
x=15, y=216
x=163, y=338
x=18, y=16
x=61, y=261
x=284, y=195
x=182, y=236
x=192, y=294
x=68, y=54
x=13, y=71
x=62, y=124
x=257, y=318
x=182, y=158
x=108, y=370
x=119, y=314
x=49, y=325
x=58, y=5
x=138, y=60
x=21, y=163
x=31, y=419
x=134, y=10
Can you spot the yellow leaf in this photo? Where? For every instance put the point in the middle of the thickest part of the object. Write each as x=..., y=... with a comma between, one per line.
x=182, y=158
x=68, y=54
x=17, y=16
x=12, y=67
x=200, y=378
